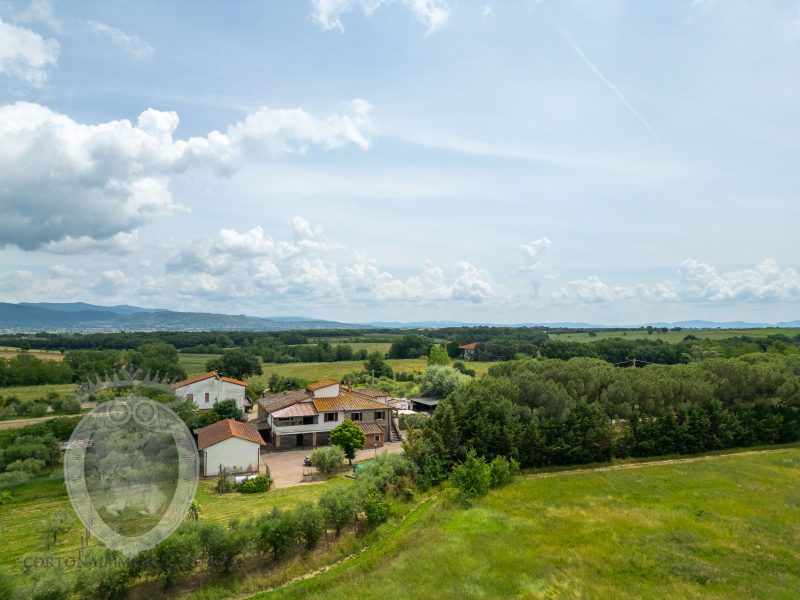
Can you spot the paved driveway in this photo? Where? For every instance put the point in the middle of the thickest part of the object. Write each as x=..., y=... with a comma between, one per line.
x=286, y=467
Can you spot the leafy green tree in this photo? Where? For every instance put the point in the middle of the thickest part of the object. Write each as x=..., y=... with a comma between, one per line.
x=377, y=366
x=338, y=508
x=278, y=531
x=103, y=575
x=502, y=471
x=175, y=556
x=439, y=381
x=349, y=437
x=310, y=524
x=472, y=478
x=195, y=510
x=223, y=548
x=375, y=507
x=225, y=409
x=236, y=363
x=327, y=459
x=438, y=356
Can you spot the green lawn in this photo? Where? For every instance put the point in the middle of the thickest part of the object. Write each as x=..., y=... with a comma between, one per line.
x=728, y=527
x=194, y=364
x=674, y=336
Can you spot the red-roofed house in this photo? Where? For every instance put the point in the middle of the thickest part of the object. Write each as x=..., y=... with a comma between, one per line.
x=468, y=350
x=230, y=444
x=209, y=388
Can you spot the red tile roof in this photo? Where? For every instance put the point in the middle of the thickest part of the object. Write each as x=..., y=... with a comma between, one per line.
x=347, y=400
x=370, y=428
x=321, y=384
x=272, y=402
x=301, y=409
x=470, y=346
x=226, y=429
x=372, y=392
x=208, y=375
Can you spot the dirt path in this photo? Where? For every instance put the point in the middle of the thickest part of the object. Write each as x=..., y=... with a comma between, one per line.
x=17, y=423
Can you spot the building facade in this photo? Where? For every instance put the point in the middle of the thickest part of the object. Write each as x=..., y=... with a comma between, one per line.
x=209, y=388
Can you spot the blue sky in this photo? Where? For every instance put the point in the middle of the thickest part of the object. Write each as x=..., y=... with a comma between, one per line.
x=603, y=161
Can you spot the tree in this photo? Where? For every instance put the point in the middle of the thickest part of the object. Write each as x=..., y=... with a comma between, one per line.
x=349, y=437
x=103, y=574
x=410, y=346
x=236, y=363
x=439, y=381
x=279, y=531
x=338, y=508
x=223, y=547
x=471, y=478
x=225, y=482
x=502, y=471
x=327, y=459
x=376, y=507
x=376, y=365
x=438, y=356
x=175, y=556
x=226, y=409
x=310, y=523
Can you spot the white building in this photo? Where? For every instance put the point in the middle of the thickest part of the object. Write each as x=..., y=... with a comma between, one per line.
x=231, y=444
x=209, y=388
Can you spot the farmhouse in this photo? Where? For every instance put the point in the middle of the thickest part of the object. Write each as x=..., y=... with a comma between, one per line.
x=305, y=418
x=231, y=444
x=209, y=388
x=468, y=350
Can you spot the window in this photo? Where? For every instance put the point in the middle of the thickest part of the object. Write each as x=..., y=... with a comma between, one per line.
x=378, y=415
x=190, y=397
x=355, y=416
x=331, y=417
x=377, y=439
x=208, y=397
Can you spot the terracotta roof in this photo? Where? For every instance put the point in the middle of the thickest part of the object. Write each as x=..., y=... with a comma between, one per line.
x=321, y=384
x=372, y=392
x=225, y=429
x=347, y=400
x=470, y=346
x=300, y=409
x=208, y=375
x=371, y=428
x=272, y=402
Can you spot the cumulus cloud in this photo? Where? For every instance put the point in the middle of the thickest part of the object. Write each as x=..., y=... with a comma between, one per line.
x=327, y=14
x=250, y=264
x=130, y=43
x=66, y=183
x=39, y=11
x=535, y=266
x=25, y=55
x=699, y=282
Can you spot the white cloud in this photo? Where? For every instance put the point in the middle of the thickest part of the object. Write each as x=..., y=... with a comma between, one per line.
x=120, y=243
x=66, y=183
x=130, y=43
x=590, y=291
x=488, y=11
x=327, y=14
x=25, y=54
x=16, y=280
x=765, y=282
x=39, y=11
x=535, y=266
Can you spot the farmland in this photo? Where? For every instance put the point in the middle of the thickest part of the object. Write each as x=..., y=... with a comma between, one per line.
x=671, y=336
x=9, y=352
x=695, y=528
x=34, y=392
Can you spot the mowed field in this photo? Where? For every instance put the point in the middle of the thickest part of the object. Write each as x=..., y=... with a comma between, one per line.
x=719, y=527
x=34, y=392
x=9, y=352
x=314, y=371
x=674, y=336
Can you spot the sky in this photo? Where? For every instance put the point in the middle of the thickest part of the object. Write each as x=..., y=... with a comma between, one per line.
x=605, y=161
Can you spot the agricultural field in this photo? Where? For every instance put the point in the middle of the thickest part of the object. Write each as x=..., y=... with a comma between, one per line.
x=673, y=337
x=696, y=528
x=194, y=364
x=34, y=392
x=9, y=352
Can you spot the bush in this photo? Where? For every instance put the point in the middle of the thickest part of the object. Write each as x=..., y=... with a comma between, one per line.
x=260, y=483
x=375, y=507
x=471, y=478
x=414, y=421
x=71, y=406
x=385, y=472
x=30, y=465
x=338, y=508
x=439, y=381
x=104, y=575
x=225, y=482
x=48, y=584
x=175, y=556
x=502, y=471
x=310, y=524
x=279, y=531
x=222, y=547
x=327, y=459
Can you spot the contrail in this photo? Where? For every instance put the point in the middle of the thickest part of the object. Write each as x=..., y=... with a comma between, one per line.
x=596, y=71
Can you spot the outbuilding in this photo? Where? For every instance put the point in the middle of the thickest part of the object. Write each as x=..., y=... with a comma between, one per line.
x=230, y=444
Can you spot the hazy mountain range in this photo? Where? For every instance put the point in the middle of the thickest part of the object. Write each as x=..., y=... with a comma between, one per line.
x=80, y=316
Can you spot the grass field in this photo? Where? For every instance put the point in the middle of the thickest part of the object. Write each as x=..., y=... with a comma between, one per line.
x=674, y=336
x=726, y=527
x=33, y=392
x=194, y=364
x=10, y=352
x=35, y=502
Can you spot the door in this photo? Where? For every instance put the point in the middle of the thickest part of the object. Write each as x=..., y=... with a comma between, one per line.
x=299, y=440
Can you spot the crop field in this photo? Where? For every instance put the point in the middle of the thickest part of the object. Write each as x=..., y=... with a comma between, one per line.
x=194, y=363
x=9, y=352
x=34, y=392
x=673, y=336
x=693, y=529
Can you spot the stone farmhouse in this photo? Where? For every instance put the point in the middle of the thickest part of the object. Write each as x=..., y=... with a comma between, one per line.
x=305, y=418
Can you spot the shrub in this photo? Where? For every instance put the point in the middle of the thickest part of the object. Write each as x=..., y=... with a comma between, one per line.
x=259, y=483
x=338, y=508
x=279, y=531
x=471, y=478
x=385, y=471
x=103, y=574
x=431, y=472
x=414, y=421
x=375, y=507
x=225, y=482
x=175, y=556
x=71, y=406
x=28, y=465
x=327, y=459
x=48, y=584
x=502, y=471
x=222, y=547
x=14, y=478
x=310, y=524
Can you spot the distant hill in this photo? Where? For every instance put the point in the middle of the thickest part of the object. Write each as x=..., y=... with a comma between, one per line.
x=79, y=316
